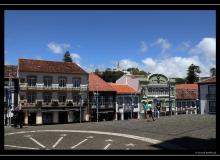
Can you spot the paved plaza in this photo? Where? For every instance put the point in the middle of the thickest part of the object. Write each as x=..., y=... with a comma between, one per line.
x=177, y=132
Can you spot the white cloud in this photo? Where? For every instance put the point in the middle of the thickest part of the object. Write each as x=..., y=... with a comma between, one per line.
x=184, y=46
x=175, y=66
x=163, y=43
x=206, y=46
x=149, y=62
x=127, y=63
x=144, y=47
x=76, y=58
x=58, y=48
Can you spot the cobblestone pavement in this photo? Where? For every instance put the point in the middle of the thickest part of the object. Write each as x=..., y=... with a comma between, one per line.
x=187, y=132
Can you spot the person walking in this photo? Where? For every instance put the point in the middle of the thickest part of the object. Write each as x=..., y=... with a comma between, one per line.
x=148, y=112
x=20, y=118
x=158, y=110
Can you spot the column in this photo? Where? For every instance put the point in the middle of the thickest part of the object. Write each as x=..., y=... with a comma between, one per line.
x=26, y=117
x=122, y=113
x=70, y=116
x=116, y=111
x=139, y=110
x=39, y=117
x=55, y=117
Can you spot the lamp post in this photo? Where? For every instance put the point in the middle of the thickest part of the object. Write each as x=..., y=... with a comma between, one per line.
x=170, y=109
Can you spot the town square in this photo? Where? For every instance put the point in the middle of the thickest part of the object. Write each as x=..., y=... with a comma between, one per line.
x=106, y=80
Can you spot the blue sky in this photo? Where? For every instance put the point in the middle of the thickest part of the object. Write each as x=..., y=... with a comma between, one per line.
x=156, y=41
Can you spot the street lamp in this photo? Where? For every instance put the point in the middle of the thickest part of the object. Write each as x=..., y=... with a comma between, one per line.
x=97, y=106
x=170, y=109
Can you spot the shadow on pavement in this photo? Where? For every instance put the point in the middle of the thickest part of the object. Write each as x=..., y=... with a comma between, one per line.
x=188, y=143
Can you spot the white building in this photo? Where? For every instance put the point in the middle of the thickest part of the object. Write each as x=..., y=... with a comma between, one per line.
x=52, y=92
x=207, y=96
x=127, y=102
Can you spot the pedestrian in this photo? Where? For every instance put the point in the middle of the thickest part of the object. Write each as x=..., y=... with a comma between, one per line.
x=20, y=118
x=15, y=118
x=158, y=110
x=148, y=112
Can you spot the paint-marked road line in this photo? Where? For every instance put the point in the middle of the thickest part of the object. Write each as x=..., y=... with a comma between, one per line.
x=106, y=147
x=79, y=143
x=144, y=139
x=57, y=142
x=34, y=140
x=20, y=147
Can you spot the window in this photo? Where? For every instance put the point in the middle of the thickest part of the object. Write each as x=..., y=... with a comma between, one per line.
x=188, y=103
x=31, y=98
x=212, y=106
x=120, y=100
x=149, y=91
x=62, y=81
x=193, y=104
x=110, y=100
x=76, y=98
x=47, y=97
x=32, y=80
x=62, y=98
x=47, y=81
x=76, y=82
x=178, y=104
x=183, y=104
x=212, y=89
x=101, y=100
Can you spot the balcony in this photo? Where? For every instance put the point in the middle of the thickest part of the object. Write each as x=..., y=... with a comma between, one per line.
x=211, y=96
x=56, y=87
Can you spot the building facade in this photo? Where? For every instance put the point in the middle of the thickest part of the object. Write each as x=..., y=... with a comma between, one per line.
x=161, y=91
x=134, y=81
x=102, y=99
x=11, y=91
x=52, y=92
x=207, y=96
x=127, y=102
x=187, y=98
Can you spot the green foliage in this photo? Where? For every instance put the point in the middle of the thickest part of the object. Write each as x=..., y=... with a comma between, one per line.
x=108, y=75
x=67, y=57
x=192, y=74
x=180, y=81
x=136, y=71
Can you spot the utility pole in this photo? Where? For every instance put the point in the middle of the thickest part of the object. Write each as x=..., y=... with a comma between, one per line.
x=169, y=98
x=97, y=103
x=80, y=107
x=9, y=101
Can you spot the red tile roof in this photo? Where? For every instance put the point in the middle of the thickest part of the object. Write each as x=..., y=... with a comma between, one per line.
x=186, y=91
x=10, y=70
x=122, y=88
x=97, y=83
x=29, y=65
x=187, y=86
x=209, y=80
x=182, y=94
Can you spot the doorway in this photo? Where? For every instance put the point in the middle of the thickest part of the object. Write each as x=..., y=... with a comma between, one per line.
x=63, y=117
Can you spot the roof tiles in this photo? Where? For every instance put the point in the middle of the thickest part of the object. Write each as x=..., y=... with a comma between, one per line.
x=29, y=65
x=10, y=71
x=97, y=83
x=122, y=88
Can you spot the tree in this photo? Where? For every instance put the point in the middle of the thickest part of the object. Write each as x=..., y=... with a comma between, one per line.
x=111, y=76
x=192, y=74
x=67, y=57
x=213, y=71
x=180, y=81
x=136, y=71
